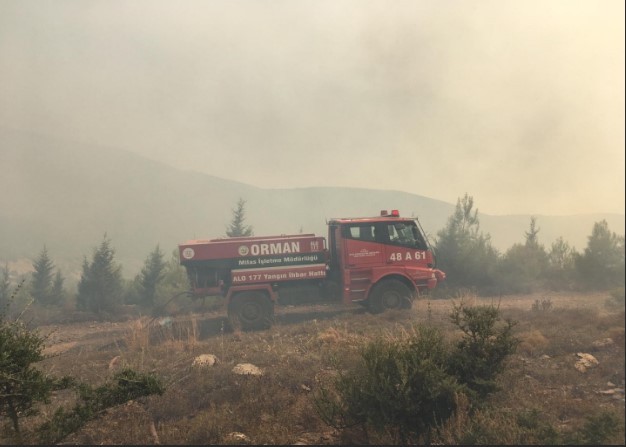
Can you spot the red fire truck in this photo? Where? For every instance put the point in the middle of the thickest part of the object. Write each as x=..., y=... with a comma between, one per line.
x=381, y=262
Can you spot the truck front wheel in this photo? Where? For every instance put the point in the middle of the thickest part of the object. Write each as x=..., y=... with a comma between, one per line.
x=251, y=310
x=389, y=294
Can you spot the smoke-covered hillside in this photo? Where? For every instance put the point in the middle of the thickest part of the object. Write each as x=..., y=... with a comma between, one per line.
x=66, y=195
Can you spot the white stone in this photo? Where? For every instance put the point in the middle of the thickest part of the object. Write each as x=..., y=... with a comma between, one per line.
x=585, y=361
x=204, y=360
x=247, y=369
x=239, y=437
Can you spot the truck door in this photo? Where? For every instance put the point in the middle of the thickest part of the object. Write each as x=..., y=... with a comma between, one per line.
x=361, y=247
x=362, y=252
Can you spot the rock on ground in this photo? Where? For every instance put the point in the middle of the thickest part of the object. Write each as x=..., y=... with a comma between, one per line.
x=246, y=369
x=585, y=361
x=205, y=360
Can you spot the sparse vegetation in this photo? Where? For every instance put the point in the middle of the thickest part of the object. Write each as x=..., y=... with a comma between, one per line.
x=539, y=398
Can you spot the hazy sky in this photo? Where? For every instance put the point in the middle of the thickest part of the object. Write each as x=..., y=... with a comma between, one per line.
x=519, y=103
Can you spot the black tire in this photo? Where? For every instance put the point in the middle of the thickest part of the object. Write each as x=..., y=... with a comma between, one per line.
x=251, y=310
x=389, y=294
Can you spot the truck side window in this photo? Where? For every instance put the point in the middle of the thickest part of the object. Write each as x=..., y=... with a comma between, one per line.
x=405, y=235
x=360, y=232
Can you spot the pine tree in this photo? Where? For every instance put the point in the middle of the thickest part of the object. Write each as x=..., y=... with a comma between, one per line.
x=602, y=263
x=84, y=286
x=58, y=292
x=22, y=385
x=41, y=284
x=561, y=254
x=532, y=239
x=561, y=267
x=463, y=251
x=237, y=227
x=100, y=286
x=151, y=275
x=524, y=266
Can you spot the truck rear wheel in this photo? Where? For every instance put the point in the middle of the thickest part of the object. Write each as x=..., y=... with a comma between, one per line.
x=389, y=294
x=251, y=310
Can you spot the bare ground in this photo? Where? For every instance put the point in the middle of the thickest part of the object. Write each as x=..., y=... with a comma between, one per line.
x=99, y=335
x=214, y=407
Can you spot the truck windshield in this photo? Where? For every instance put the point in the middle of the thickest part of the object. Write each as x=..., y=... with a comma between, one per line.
x=406, y=234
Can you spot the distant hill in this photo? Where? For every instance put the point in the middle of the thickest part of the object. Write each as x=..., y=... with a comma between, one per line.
x=66, y=195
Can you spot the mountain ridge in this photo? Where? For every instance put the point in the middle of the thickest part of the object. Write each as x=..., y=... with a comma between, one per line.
x=67, y=195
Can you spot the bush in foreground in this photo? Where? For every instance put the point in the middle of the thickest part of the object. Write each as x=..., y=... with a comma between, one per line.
x=22, y=385
x=125, y=386
x=402, y=386
x=405, y=388
x=480, y=354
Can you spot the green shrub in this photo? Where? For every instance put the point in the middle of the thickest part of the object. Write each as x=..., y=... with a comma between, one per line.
x=127, y=385
x=479, y=355
x=598, y=429
x=535, y=429
x=22, y=385
x=402, y=387
x=407, y=387
x=497, y=426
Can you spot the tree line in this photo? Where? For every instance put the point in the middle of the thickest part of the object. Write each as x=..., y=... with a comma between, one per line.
x=101, y=288
x=470, y=261
x=462, y=250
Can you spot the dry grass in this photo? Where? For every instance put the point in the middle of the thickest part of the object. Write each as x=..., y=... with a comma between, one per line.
x=532, y=343
x=207, y=405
